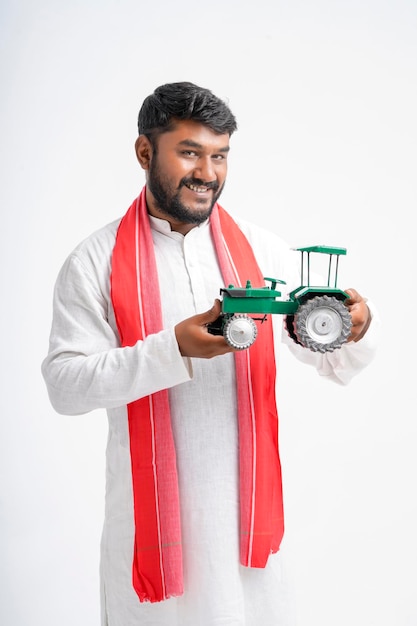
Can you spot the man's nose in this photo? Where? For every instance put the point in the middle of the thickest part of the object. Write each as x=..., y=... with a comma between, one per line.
x=205, y=170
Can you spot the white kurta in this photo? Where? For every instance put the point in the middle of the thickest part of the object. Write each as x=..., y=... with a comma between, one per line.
x=86, y=369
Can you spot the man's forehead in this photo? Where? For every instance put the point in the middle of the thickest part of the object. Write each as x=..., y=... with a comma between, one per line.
x=194, y=134
x=191, y=143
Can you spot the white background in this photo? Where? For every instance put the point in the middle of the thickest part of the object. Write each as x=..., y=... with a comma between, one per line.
x=325, y=96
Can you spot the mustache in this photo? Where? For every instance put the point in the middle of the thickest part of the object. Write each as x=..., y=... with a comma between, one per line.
x=214, y=185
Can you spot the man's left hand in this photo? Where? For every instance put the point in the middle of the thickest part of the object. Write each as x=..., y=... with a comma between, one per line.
x=360, y=314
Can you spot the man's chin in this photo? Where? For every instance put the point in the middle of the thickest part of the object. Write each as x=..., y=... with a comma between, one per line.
x=197, y=216
x=198, y=212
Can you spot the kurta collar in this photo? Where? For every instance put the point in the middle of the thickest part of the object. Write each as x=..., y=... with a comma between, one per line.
x=164, y=227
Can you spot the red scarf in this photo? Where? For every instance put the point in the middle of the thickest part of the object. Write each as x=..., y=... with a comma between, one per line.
x=157, y=558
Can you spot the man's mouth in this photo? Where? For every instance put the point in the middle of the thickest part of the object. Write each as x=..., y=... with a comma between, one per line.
x=198, y=188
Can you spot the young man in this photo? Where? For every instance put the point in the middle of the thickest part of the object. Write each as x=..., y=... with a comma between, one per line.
x=193, y=520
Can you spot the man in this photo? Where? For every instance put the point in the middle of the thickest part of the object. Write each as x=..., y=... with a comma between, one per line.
x=193, y=520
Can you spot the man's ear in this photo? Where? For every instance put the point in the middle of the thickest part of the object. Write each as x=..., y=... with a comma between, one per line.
x=143, y=149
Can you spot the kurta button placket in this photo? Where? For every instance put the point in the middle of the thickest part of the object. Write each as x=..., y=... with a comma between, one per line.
x=193, y=250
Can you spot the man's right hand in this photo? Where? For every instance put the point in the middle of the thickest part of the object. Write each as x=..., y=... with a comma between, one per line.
x=194, y=340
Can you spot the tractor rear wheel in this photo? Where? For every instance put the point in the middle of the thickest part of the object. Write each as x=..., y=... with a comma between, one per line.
x=289, y=325
x=322, y=324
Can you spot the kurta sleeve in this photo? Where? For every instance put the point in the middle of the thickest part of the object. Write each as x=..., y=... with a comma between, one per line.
x=341, y=365
x=86, y=368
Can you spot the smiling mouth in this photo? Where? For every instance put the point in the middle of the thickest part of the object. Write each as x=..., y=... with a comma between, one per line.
x=197, y=188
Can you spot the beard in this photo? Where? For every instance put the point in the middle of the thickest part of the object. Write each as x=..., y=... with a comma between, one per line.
x=168, y=200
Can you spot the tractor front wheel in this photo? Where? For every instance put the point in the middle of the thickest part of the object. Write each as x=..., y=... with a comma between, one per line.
x=240, y=331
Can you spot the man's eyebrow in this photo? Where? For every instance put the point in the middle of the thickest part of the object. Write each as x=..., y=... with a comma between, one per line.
x=189, y=143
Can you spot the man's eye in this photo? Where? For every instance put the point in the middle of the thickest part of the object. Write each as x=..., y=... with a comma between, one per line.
x=188, y=153
x=219, y=157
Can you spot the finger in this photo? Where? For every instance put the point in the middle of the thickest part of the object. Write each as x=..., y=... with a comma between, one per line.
x=354, y=296
x=212, y=314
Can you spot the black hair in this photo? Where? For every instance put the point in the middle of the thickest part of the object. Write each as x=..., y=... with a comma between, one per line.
x=183, y=101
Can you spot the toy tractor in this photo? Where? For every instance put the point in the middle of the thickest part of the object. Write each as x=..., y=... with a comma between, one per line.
x=315, y=317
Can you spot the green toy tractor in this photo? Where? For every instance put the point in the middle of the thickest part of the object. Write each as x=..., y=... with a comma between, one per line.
x=315, y=316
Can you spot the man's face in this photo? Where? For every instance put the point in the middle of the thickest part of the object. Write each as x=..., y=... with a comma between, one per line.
x=186, y=174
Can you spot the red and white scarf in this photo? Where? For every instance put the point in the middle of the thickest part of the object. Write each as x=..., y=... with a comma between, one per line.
x=157, y=558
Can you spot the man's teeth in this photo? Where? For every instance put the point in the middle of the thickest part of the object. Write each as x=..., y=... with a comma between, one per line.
x=198, y=189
